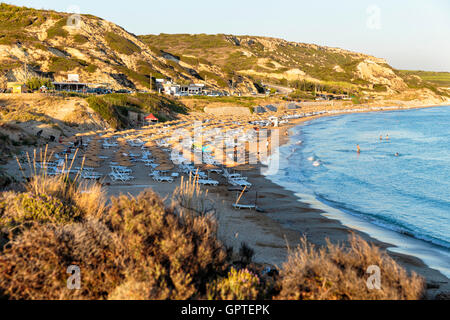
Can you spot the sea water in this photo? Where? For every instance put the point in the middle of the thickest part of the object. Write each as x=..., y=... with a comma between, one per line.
x=400, y=184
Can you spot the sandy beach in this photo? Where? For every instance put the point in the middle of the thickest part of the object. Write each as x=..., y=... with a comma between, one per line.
x=283, y=221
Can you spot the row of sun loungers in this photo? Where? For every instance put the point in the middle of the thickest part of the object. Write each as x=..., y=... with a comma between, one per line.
x=120, y=173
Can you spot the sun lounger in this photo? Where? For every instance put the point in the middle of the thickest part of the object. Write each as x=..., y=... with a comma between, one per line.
x=208, y=182
x=162, y=179
x=244, y=206
x=239, y=183
x=91, y=175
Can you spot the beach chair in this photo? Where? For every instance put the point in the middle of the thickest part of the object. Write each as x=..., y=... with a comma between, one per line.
x=239, y=183
x=208, y=182
x=244, y=206
x=159, y=178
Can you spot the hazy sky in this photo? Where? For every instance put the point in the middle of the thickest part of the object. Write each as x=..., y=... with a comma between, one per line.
x=410, y=34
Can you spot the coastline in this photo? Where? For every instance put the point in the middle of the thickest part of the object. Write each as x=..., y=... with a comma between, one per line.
x=414, y=254
x=287, y=217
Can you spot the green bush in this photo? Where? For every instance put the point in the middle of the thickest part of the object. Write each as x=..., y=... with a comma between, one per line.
x=59, y=64
x=57, y=29
x=80, y=39
x=34, y=84
x=121, y=44
x=34, y=266
x=107, y=111
x=239, y=285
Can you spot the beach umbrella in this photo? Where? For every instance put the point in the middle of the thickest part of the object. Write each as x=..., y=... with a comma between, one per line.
x=165, y=167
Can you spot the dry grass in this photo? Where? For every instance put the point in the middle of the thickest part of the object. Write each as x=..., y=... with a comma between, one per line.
x=172, y=255
x=340, y=273
x=57, y=200
x=138, y=248
x=34, y=265
x=191, y=197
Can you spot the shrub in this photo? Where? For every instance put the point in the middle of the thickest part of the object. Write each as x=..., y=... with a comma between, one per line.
x=34, y=84
x=107, y=111
x=34, y=266
x=80, y=39
x=57, y=29
x=172, y=256
x=239, y=285
x=121, y=44
x=246, y=254
x=338, y=273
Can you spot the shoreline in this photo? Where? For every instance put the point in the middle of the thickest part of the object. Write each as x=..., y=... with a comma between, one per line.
x=287, y=218
x=414, y=254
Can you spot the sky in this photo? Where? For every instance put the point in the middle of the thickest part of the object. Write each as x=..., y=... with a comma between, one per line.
x=409, y=34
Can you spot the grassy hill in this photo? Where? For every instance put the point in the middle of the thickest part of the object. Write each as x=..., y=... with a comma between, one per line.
x=441, y=79
x=40, y=43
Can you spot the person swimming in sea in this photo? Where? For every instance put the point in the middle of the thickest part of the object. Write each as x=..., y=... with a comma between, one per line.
x=387, y=137
x=397, y=154
x=358, y=149
x=381, y=138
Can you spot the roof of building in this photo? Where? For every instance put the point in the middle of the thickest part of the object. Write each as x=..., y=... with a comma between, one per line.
x=151, y=117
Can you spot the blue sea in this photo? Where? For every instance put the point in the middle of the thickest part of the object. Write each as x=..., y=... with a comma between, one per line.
x=408, y=193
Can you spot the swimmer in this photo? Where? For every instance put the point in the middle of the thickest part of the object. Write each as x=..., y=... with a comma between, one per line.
x=387, y=137
x=358, y=149
x=381, y=138
x=397, y=154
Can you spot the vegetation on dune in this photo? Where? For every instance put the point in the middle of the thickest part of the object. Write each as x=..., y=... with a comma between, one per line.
x=14, y=17
x=121, y=44
x=139, y=248
x=107, y=109
x=57, y=30
x=34, y=84
x=234, y=54
x=239, y=285
x=59, y=64
x=339, y=273
x=237, y=101
x=80, y=39
x=114, y=108
x=437, y=78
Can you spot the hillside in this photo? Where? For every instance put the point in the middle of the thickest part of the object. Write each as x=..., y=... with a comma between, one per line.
x=275, y=61
x=41, y=43
x=47, y=44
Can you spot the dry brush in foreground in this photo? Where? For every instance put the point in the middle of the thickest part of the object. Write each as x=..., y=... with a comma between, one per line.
x=138, y=248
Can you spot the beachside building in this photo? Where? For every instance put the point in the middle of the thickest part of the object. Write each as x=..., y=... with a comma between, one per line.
x=260, y=110
x=293, y=106
x=173, y=89
x=192, y=89
x=71, y=86
x=151, y=118
x=16, y=87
